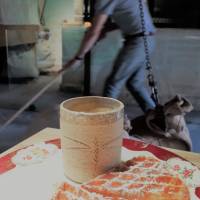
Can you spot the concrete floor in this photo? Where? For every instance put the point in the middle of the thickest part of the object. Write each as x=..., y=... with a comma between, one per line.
x=29, y=122
x=47, y=112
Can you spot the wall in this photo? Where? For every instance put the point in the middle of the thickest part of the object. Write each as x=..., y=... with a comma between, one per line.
x=177, y=63
x=19, y=12
x=57, y=13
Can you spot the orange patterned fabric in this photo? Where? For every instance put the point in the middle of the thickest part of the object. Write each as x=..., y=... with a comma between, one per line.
x=145, y=179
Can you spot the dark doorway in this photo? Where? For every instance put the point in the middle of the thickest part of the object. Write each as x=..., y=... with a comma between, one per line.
x=176, y=13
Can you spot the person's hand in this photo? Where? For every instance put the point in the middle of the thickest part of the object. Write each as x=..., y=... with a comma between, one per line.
x=73, y=63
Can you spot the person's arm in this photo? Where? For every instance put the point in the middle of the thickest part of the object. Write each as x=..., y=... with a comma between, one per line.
x=109, y=26
x=88, y=41
x=92, y=35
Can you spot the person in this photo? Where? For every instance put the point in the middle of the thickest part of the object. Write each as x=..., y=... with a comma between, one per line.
x=129, y=66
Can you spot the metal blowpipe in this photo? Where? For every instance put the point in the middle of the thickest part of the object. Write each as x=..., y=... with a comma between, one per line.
x=57, y=74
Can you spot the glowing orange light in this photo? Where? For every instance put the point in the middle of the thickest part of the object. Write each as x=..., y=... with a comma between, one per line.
x=87, y=24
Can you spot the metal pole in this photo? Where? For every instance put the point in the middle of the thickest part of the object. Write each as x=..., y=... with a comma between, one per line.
x=87, y=74
x=88, y=15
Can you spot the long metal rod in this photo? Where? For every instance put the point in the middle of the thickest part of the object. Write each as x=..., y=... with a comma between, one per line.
x=46, y=87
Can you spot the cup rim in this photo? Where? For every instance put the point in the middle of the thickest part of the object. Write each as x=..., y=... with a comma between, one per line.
x=117, y=109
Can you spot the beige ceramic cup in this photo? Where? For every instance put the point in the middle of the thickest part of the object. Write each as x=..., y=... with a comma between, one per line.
x=92, y=129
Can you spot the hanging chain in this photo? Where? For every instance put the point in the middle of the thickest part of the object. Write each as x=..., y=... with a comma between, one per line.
x=150, y=76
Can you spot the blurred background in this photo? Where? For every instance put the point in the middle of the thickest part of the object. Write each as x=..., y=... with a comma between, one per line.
x=37, y=36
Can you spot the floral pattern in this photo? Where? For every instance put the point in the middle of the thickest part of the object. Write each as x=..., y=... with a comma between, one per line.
x=189, y=173
x=185, y=170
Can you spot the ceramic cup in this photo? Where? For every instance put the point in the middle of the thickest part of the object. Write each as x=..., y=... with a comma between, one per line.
x=91, y=141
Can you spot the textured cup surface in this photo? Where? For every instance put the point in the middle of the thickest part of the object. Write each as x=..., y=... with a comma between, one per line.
x=91, y=141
